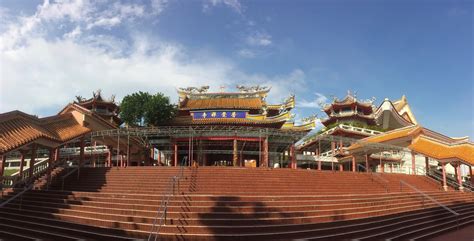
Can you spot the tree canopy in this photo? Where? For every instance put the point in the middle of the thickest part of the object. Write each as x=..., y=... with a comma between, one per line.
x=144, y=109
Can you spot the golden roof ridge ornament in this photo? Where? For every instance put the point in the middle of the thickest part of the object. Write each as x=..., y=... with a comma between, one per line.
x=309, y=119
x=252, y=89
x=194, y=90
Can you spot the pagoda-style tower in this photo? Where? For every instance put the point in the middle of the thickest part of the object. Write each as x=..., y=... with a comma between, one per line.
x=350, y=110
x=105, y=108
x=348, y=120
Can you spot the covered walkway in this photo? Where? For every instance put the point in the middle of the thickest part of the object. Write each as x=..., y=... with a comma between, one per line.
x=422, y=141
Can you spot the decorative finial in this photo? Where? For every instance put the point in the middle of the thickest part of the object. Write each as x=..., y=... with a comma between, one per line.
x=80, y=98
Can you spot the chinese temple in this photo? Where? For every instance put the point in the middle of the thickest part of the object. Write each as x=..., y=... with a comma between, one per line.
x=82, y=176
x=236, y=128
x=107, y=109
x=352, y=119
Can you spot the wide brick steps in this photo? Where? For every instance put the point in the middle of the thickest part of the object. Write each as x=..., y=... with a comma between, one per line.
x=215, y=203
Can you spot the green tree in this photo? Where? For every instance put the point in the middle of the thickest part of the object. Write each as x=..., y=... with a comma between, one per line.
x=158, y=110
x=142, y=108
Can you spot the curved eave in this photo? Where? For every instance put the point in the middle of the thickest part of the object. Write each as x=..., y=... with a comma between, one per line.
x=331, y=120
x=416, y=138
x=187, y=120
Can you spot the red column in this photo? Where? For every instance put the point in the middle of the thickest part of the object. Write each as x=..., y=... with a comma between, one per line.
x=265, y=152
x=56, y=154
x=159, y=156
x=459, y=176
x=413, y=168
x=235, y=156
x=366, y=162
x=445, y=187
x=353, y=164
x=3, y=160
x=427, y=164
x=382, y=167
x=22, y=163
x=109, y=157
x=81, y=151
x=319, y=158
x=293, y=157
x=340, y=147
x=175, y=154
x=341, y=167
x=128, y=155
x=32, y=160
x=333, y=147
x=470, y=174
x=50, y=157
x=319, y=164
x=150, y=156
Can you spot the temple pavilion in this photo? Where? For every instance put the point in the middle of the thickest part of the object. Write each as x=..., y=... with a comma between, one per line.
x=350, y=119
x=232, y=128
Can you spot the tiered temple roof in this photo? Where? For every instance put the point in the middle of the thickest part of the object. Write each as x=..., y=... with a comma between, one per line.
x=349, y=109
x=106, y=108
x=246, y=107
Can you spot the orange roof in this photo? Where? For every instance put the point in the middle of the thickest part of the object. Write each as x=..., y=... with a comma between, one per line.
x=423, y=141
x=187, y=120
x=18, y=128
x=65, y=127
x=395, y=134
x=438, y=150
x=229, y=103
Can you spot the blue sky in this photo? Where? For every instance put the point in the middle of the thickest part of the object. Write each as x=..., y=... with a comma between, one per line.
x=54, y=50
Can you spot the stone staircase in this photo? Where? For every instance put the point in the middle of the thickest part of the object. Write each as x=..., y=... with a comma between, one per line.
x=221, y=203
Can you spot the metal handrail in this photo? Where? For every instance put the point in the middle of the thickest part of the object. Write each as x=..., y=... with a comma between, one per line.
x=363, y=167
x=67, y=175
x=25, y=189
x=439, y=176
x=431, y=199
x=372, y=174
x=163, y=209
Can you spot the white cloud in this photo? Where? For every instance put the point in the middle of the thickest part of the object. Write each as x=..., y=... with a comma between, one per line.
x=105, y=22
x=130, y=10
x=60, y=75
x=233, y=4
x=76, y=32
x=258, y=38
x=76, y=10
x=39, y=71
x=48, y=76
x=315, y=103
x=158, y=6
x=246, y=53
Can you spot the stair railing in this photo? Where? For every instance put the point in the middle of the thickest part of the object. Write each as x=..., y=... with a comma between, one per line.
x=20, y=194
x=377, y=175
x=63, y=178
x=424, y=195
x=160, y=220
x=435, y=174
x=453, y=182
